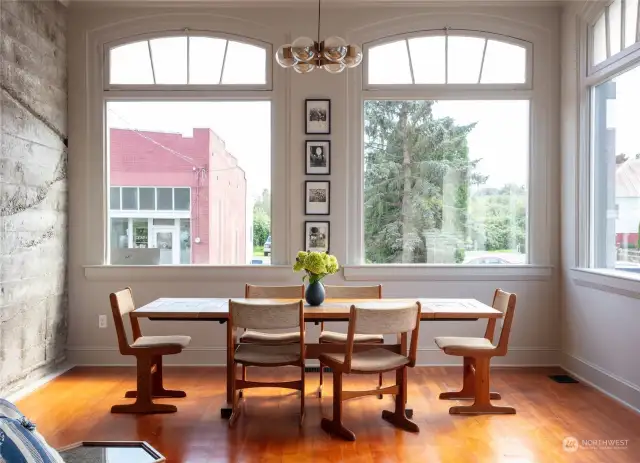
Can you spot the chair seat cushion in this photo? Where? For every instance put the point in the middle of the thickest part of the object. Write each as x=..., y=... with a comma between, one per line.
x=20, y=442
x=267, y=355
x=370, y=361
x=157, y=341
x=273, y=339
x=447, y=343
x=331, y=337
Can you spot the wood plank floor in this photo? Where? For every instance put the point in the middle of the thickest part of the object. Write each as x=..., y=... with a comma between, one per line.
x=75, y=406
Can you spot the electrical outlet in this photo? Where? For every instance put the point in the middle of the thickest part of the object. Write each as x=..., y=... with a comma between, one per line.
x=102, y=321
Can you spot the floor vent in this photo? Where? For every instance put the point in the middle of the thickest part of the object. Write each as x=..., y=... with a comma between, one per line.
x=316, y=369
x=564, y=379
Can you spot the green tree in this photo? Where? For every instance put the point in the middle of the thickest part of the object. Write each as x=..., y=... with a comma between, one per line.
x=262, y=218
x=417, y=176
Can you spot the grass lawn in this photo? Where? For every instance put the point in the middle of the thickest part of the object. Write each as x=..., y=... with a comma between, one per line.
x=258, y=250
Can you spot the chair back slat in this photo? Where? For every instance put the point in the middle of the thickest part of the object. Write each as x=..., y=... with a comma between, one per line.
x=121, y=306
x=385, y=318
x=353, y=292
x=267, y=316
x=274, y=292
x=505, y=303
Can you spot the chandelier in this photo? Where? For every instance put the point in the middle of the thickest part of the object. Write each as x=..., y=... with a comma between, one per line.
x=333, y=54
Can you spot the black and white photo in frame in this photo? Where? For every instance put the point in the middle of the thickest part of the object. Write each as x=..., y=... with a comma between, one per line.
x=316, y=236
x=317, y=116
x=318, y=157
x=317, y=198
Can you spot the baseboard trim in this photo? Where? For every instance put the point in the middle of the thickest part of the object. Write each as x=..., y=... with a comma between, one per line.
x=29, y=387
x=216, y=356
x=619, y=389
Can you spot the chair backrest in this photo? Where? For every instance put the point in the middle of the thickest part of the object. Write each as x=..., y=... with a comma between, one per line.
x=263, y=316
x=353, y=292
x=122, y=305
x=384, y=318
x=505, y=303
x=274, y=292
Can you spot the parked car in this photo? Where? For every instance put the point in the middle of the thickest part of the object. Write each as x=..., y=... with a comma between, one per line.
x=487, y=260
x=267, y=246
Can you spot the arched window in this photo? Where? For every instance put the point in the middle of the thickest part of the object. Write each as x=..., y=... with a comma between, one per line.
x=448, y=57
x=188, y=60
x=616, y=29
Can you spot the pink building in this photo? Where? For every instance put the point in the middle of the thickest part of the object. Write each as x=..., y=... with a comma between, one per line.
x=184, y=196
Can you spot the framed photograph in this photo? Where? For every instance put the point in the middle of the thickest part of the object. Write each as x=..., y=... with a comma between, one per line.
x=317, y=116
x=316, y=236
x=317, y=198
x=318, y=157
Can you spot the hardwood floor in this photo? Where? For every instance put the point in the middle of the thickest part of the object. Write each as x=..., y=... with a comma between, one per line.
x=76, y=406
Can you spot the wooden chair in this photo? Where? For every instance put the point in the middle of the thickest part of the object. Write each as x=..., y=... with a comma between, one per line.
x=148, y=351
x=261, y=316
x=332, y=337
x=375, y=317
x=477, y=354
x=274, y=339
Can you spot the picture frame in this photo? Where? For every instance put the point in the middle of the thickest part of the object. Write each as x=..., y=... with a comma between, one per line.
x=317, y=155
x=317, y=114
x=317, y=197
x=317, y=236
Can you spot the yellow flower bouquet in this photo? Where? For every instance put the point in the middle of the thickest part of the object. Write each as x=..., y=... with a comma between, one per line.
x=317, y=265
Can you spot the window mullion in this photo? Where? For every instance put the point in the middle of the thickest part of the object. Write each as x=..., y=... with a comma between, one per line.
x=413, y=80
x=224, y=60
x=153, y=69
x=484, y=53
x=446, y=57
x=623, y=18
x=606, y=32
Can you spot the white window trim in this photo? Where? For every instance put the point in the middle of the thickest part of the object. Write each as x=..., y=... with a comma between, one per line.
x=603, y=279
x=528, y=46
x=267, y=86
x=542, y=136
x=92, y=139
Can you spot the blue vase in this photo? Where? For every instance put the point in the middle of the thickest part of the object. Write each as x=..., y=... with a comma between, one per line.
x=314, y=293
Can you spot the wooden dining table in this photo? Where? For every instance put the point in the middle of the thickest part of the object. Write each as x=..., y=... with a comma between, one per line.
x=332, y=310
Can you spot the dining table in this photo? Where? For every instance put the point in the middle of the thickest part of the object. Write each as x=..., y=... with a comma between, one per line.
x=331, y=310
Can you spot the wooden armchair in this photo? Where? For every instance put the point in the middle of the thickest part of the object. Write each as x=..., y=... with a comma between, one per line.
x=368, y=318
x=332, y=337
x=264, y=316
x=148, y=351
x=477, y=354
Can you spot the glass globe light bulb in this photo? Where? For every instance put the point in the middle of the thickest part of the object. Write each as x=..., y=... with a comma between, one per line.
x=304, y=68
x=353, y=57
x=334, y=68
x=303, y=49
x=335, y=49
x=284, y=56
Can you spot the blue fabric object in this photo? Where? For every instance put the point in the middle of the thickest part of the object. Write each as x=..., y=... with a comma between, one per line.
x=19, y=444
x=9, y=410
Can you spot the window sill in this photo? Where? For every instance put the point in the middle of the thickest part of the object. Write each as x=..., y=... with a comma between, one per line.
x=209, y=273
x=610, y=281
x=403, y=272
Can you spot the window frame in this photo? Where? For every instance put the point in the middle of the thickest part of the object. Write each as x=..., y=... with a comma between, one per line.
x=612, y=60
x=537, y=244
x=528, y=46
x=107, y=47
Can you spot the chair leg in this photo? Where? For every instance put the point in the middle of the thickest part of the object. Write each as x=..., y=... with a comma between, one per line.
x=398, y=417
x=235, y=405
x=468, y=384
x=302, y=378
x=482, y=400
x=244, y=378
x=143, y=403
x=380, y=385
x=157, y=388
x=335, y=426
x=321, y=380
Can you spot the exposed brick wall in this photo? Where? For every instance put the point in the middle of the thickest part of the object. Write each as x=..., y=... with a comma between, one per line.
x=33, y=189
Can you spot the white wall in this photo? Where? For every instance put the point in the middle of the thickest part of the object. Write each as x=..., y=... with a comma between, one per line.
x=535, y=339
x=600, y=317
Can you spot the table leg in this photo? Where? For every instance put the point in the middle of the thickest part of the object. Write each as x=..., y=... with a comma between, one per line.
x=226, y=408
x=404, y=350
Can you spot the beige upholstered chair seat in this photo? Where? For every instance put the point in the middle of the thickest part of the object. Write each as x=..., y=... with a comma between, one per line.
x=373, y=360
x=331, y=337
x=157, y=341
x=275, y=339
x=267, y=355
x=454, y=342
